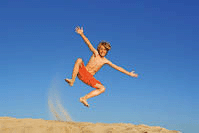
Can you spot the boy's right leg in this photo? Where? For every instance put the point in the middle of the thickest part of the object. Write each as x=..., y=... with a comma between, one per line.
x=75, y=72
x=100, y=89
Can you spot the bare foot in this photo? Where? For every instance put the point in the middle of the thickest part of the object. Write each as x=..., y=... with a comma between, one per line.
x=83, y=100
x=69, y=81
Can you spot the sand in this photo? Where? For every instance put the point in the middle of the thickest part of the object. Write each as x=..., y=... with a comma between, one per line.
x=63, y=122
x=13, y=125
x=54, y=104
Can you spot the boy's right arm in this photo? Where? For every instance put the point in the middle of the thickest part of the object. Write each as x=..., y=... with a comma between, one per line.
x=90, y=46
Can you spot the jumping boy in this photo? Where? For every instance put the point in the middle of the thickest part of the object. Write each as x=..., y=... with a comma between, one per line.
x=97, y=60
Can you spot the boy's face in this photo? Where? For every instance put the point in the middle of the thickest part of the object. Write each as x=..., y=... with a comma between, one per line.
x=102, y=51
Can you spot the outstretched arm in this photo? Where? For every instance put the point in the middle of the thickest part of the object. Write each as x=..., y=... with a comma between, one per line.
x=90, y=46
x=122, y=70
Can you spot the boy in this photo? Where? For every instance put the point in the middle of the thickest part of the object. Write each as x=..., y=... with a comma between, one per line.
x=97, y=60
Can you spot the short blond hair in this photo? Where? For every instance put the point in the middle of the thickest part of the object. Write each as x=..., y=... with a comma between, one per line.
x=105, y=44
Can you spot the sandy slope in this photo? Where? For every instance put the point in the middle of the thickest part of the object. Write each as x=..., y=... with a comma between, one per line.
x=13, y=125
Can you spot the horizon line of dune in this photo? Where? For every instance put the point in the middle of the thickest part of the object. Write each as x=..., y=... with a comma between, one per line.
x=28, y=125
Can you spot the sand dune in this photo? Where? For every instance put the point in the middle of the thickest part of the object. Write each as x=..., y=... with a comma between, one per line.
x=63, y=122
x=13, y=125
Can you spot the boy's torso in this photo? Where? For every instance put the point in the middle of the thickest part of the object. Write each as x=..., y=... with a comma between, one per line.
x=95, y=63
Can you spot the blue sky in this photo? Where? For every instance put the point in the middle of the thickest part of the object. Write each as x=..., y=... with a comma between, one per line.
x=157, y=39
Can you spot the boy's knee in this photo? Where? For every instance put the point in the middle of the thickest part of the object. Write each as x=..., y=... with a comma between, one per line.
x=103, y=89
x=79, y=60
x=100, y=87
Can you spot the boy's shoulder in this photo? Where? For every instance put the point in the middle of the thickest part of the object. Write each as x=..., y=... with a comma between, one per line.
x=106, y=61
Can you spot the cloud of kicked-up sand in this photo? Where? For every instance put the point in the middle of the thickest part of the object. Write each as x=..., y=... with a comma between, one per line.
x=54, y=103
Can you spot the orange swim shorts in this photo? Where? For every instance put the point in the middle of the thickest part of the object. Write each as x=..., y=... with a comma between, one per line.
x=86, y=77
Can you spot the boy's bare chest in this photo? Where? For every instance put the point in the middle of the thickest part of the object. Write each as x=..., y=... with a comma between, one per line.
x=94, y=64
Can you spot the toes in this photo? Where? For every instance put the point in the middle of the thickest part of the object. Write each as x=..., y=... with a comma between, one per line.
x=66, y=80
x=69, y=82
x=82, y=100
x=86, y=105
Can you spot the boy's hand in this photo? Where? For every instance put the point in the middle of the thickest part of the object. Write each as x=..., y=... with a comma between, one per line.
x=133, y=74
x=79, y=30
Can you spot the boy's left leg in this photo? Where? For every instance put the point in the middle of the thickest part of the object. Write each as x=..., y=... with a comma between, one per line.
x=100, y=89
x=75, y=72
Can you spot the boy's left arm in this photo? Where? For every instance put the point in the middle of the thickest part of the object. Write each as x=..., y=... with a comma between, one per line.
x=122, y=70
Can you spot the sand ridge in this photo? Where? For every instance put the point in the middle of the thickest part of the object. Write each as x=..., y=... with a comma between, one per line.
x=27, y=125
